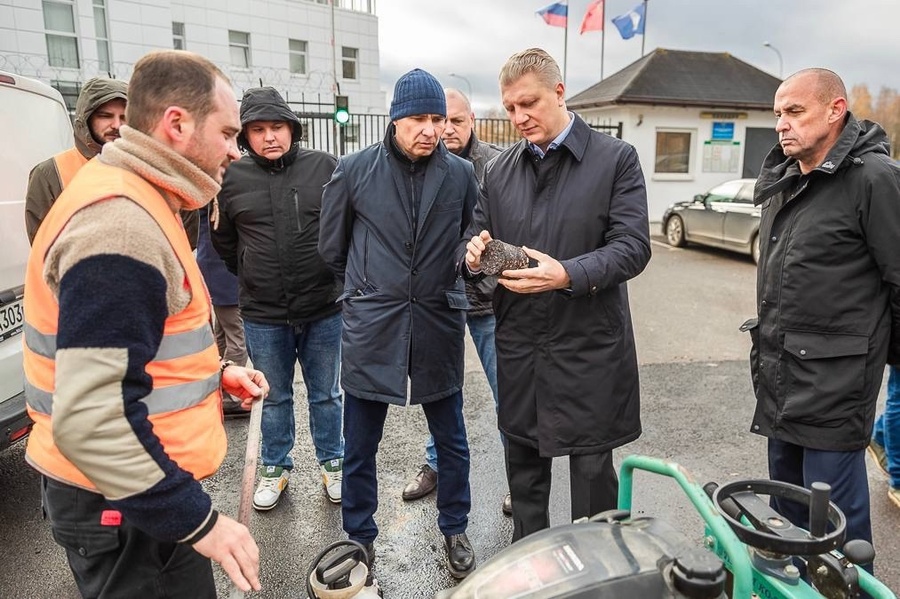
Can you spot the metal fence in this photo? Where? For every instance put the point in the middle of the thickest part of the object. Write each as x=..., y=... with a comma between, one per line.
x=321, y=132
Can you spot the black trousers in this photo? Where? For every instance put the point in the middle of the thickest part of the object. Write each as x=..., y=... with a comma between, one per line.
x=593, y=483
x=111, y=559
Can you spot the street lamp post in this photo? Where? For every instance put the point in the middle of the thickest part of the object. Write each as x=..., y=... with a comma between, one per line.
x=468, y=85
x=780, y=61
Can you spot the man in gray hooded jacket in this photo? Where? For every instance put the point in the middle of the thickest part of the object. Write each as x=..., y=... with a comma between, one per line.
x=99, y=112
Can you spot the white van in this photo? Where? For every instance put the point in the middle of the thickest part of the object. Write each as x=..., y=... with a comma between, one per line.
x=35, y=126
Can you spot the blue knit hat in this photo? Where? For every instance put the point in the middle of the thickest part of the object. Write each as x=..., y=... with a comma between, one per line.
x=417, y=92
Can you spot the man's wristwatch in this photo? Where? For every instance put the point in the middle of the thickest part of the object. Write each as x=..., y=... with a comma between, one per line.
x=225, y=364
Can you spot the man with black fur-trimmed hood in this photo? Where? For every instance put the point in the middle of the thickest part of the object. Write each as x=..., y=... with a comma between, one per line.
x=267, y=232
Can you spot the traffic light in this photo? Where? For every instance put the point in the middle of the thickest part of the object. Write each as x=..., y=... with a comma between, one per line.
x=341, y=109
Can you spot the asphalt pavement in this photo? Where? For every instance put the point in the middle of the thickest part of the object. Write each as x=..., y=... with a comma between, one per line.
x=696, y=408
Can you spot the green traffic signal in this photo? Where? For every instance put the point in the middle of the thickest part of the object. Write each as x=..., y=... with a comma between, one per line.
x=341, y=109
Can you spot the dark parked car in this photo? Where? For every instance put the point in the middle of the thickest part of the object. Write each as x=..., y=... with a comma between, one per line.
x=724, y=217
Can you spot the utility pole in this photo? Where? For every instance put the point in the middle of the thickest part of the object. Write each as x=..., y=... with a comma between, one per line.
x=780, y=61
x=336, y=130
x=468, y=84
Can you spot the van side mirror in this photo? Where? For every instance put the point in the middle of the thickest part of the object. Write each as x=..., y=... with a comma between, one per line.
x=699, y=198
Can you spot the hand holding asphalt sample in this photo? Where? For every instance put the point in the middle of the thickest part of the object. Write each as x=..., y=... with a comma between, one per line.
x=499, y=256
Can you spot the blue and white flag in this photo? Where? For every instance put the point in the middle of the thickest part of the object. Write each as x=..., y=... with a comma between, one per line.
x=631, y=23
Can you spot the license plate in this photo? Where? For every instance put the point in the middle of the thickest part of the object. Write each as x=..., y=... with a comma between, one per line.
x=11, y=319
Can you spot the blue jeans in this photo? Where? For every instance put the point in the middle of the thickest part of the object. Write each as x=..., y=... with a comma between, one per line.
x=359, y=490
x=482, y=330
x=274, y=349
x=887, y=427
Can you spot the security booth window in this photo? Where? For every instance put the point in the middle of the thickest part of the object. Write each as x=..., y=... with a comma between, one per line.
x=673, y=152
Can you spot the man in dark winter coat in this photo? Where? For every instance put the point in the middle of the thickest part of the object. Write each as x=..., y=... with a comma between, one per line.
x=566, y=363
x=828, y=293
x=267, y=233
x=391, y=217
x=459, y=137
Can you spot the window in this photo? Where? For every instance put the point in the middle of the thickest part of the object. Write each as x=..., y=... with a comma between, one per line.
x=239, y=44
x=100, y=29
x=726, y=192
x=62, y=44
x=70, y=91
x=673, y=152
x=178, y=35
x=349, y=58
x=297, y=52
x=745, y=195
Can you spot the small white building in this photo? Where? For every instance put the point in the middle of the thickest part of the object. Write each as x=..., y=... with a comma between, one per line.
x=307, y=49
x=696, y=119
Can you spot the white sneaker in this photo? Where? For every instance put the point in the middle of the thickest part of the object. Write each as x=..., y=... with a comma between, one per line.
x=273, y=480
x=332, y=475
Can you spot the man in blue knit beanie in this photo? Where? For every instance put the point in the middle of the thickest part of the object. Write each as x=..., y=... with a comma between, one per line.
x=392, y=217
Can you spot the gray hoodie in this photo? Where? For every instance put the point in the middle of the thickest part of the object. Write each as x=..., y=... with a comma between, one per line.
x=95, y=93
x=44, y=184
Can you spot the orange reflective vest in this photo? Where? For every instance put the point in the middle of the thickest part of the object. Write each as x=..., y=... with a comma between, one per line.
x=185, y=404
x=67, y=164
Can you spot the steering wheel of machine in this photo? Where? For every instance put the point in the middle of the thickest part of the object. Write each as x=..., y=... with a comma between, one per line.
x=770, y=531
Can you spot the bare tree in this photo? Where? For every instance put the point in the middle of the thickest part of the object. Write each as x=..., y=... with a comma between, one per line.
x=861, y=101
x=887, y=114
x=884, y=110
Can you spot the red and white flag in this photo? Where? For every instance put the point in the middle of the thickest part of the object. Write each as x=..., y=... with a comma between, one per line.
x=593, y=17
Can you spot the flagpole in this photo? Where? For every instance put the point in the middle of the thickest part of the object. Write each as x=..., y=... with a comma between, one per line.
x=644, y=36
x=602, y=50
x=565, y=45
x=602, y=41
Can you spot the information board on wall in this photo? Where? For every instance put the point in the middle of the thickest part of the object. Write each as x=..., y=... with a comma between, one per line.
x=721, y=156
x=722, y=131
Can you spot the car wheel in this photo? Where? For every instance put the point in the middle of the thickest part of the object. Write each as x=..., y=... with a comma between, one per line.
x=754, y=248
x=675, y=231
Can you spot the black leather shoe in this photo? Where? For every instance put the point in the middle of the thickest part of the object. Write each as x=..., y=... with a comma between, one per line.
x=507, y=505
x=370, y=555
x=423, y=484
x=460, y=555
x=370, y=564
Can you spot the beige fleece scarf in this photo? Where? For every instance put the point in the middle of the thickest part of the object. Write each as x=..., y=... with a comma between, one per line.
x=186, y=185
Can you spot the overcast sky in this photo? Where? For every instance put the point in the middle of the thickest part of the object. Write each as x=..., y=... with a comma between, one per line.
x=858, y=39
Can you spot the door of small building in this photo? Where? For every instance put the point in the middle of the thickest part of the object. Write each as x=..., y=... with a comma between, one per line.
x=759, y=141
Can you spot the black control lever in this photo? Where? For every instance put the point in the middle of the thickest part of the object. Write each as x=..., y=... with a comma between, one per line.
x=859, y=552
x=728, y=505
x=818, y=509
